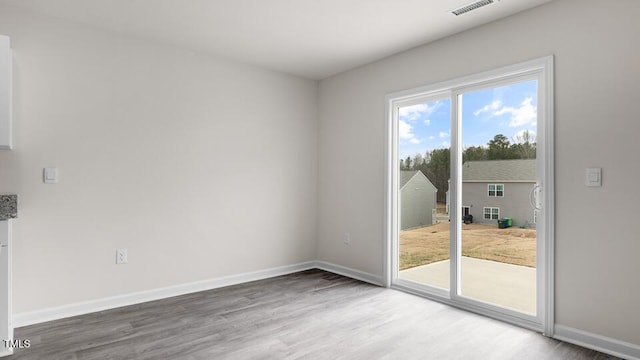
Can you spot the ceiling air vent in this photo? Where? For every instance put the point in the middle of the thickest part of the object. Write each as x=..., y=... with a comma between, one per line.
x=473, y=6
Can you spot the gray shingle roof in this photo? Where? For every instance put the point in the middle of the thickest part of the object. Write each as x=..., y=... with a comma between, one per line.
x=499, y=170
x=405, y=176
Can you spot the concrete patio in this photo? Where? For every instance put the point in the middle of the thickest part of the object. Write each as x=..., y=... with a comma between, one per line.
x=507, y=285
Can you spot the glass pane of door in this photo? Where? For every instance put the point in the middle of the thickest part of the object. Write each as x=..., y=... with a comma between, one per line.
x=498, y=237
x=423, y=193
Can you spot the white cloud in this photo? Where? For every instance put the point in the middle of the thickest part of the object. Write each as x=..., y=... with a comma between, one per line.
x=415, y=112
x=427, y=122
x=431, y=137
x=443, y=135
x=445, y=144
x=525, y=114
x=495, y=105
x=522, y=115
x=405, y=132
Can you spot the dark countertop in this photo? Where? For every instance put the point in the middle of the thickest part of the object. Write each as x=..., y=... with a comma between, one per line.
x=8, y=207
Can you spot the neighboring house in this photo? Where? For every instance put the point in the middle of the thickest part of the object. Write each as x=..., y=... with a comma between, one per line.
x=495, y=189
x=417, y=200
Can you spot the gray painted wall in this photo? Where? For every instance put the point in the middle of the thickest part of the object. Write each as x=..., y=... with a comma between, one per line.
x=597, y=63
x=417, y=202
x=514, y=203
x=150, y=161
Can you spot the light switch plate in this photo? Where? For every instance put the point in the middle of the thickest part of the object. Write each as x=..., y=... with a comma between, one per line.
x=593, y=177
x=50, y=175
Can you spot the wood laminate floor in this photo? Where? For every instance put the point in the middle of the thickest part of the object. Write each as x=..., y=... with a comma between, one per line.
x=307, y=315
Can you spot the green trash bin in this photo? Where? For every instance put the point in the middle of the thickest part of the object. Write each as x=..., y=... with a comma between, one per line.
x=509, y=221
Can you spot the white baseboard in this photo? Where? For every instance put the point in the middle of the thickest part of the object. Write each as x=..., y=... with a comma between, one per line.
x=65, y=311
x=597, y=342
x=349, y=272
x=5, y=351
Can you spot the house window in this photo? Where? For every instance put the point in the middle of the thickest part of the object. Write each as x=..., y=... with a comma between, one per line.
x=491, y=213
x=496, y=190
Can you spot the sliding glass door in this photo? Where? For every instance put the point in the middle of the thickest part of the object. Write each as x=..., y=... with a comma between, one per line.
x=423, y=174
x=470, y=193
x=498, y=237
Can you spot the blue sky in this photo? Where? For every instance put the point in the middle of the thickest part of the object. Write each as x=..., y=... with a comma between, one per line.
x=507, y=110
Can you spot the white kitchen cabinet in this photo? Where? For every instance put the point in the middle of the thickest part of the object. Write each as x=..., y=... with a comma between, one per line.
x=6, y=111
x=6, y=322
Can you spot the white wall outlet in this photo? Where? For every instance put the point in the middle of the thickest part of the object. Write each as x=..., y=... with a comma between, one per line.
x=121, y=256
x=346, y=239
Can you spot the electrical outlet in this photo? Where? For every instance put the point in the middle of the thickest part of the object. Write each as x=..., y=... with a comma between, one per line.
x=347, y=239
x=121, y=256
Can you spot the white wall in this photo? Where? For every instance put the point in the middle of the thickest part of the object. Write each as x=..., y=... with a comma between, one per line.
x=597, y=82
x=200, y=166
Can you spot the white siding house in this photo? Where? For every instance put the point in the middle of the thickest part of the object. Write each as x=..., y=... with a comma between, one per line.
x=417, y=200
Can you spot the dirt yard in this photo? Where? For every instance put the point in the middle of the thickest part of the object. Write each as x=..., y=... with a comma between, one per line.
x=431, y=243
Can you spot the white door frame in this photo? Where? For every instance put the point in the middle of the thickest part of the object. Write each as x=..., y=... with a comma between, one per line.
x=542, y=70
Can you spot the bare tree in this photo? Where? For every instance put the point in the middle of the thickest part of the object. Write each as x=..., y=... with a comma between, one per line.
x=525, y=145
x=418, y=160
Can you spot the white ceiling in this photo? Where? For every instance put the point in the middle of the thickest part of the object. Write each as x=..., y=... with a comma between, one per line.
x=309, y=38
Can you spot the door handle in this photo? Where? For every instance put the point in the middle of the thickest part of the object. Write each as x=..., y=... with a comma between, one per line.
x=534, y=197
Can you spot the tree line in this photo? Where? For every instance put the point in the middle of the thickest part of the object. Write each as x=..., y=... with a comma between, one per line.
x=435, y=163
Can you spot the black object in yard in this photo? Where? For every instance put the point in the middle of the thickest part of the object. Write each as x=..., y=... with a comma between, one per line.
x=468, y=219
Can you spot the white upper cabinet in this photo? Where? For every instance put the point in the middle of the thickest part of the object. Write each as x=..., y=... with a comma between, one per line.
x=6, y=115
